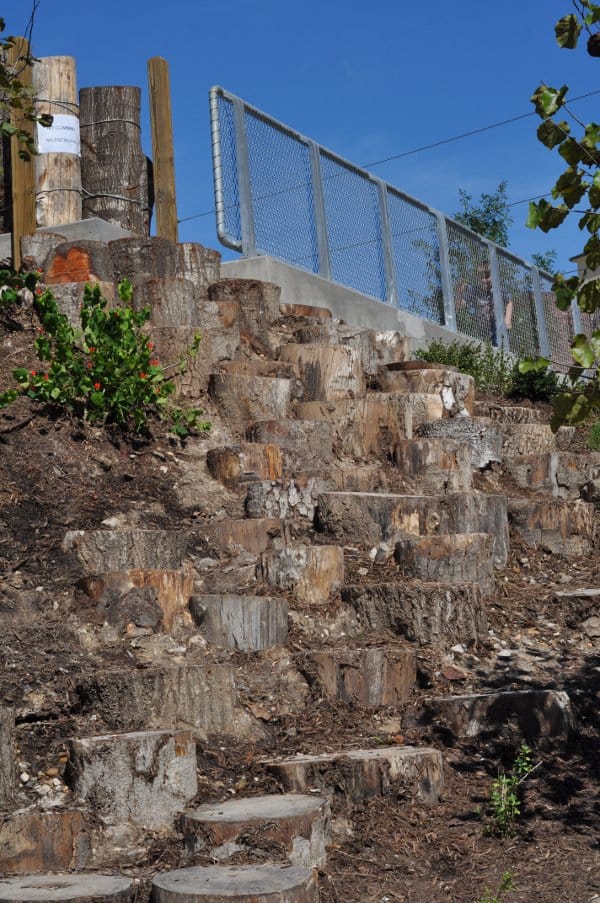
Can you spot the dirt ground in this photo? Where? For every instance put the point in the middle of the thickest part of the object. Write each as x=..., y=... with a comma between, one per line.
x=56, y=475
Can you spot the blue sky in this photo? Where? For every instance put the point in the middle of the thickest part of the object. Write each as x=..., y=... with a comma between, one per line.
x=367, y=82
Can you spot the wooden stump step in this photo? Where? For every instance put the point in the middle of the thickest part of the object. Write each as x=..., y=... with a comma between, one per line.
x=539, y=713
x=100, y=551
x=483, y=436
x=376, y=675
x=236, y=884
x=435, y=465
x=351, y=776
x=298, y=823
x=562, y=527
x=455, y=390
x=248, y=623
x=244, y=463
x=312, y=573
x=75, y=888
x=454, y=558
x=142, y=597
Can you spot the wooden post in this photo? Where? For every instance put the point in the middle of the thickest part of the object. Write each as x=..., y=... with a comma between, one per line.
x=114, y=169
x=58, y=167
x=22, y=171
x=162, y=148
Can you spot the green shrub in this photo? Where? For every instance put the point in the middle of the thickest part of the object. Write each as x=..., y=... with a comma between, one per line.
x=506, y=794
x=535, y=385
x=491, y=368
x=105, y=372
x=594, y=437
x=506, y=885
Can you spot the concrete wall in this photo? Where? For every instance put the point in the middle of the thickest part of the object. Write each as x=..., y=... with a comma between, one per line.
x=301, y=287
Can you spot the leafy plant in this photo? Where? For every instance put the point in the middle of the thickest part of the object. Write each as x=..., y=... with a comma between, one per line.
x=505, y=886
x=579, y=185
x=16, y=98
x=15, y=287
x=491, y=368
x=105, y=372
x=506, y=794
x=540, y=384
x=594, y=437
x=489, y=217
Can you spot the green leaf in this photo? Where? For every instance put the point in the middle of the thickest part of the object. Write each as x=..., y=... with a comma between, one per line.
x=588, y=296
x=567, y=31
x=547, y=101
x=571, y=151
x=552, y=133
x=542, y=215
x=565, y=290
x=571, y=187
x=582, y=351
x=533, y=365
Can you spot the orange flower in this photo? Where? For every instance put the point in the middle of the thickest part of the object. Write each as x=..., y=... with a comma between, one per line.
x=97, y=385
x=46, y=376
x=154, y=363
x=92, y=349
x=150, y=346
x=34, y=372
x=142, y=376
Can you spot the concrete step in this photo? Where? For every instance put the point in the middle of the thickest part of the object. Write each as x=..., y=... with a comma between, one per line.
x=434, y=466
x=563, y=474
x=363, y=426
x=350, y=776
x=75, y=888
x=482, y=435
x=34, y=841
x=455, y=390
x=141, y=779
x=101, y=551
x=237, y=884
x=375, y=675
x=244, y=463
x=142, y=597
x=368, y=518
x=312, y=573
x=282, y=826
x=291, y=500
x=328, y=372
x=433, y=614
x=247, y=623
x=562, y=527
x=538, y=713
x=452, y=559
x=306, y=445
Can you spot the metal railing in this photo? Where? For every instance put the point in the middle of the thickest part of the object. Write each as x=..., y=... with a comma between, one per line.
x=282, y=194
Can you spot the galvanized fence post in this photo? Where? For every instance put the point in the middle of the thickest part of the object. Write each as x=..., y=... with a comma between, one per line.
x=445, y=274
x=576, y=316
x=244, y=184
x=540, y=313
x=501, y=331
x=319, y=211
x=391, y=294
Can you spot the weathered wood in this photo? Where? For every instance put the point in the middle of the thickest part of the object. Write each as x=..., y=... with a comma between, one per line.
x=58, y=174
x=351, y=776
x=143, y=257
x=433, y=614
x=234, y=884
x=539, y=714
x=5, y=186
x=101, y=551
x=79, y=261
x=307, y=445
x=562, y=527
x=7, y=756
x=363, y=426
x=287, y=499
x=200, y=265
x=114, y=169
x=434, y=465
x=144, y=598
x=201, y=697
x=22, y=171
x=162, y=148
x=312, y=573
x=455, y=558
x=92, y=888
x=69, y=297
x=172, y=301
x=482, y=435
x=456, y=390
x=242, y=399
x=142, y=778
x=171, y=344
x=249, y=623
x=43, y=841
x=289, y=826
x=328, y=372
x=245, y=462
x=39, y=247
x=250, y=534
x=379, y=675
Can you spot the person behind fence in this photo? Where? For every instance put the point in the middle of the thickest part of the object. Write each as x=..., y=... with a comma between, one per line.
x=474, y=304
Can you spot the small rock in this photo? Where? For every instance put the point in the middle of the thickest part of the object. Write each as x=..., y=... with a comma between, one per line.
x=363, y=572
x=43, y=789
x=52, y=772
x=565, y=578
x=24, y=777
x=591, y=628
x=507, y=653
x=459, y=649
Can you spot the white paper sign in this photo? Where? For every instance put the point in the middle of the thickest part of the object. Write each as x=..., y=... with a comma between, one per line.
x=62, y=137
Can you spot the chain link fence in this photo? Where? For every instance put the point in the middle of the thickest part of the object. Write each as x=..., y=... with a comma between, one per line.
x=279, y=193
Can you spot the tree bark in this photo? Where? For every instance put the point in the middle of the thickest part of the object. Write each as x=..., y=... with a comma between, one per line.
x=114, y=169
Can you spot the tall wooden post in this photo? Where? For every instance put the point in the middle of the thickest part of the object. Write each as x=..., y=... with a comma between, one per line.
x=114, y=169
x=22, y=171
x=58, y=167
x=162, y=148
